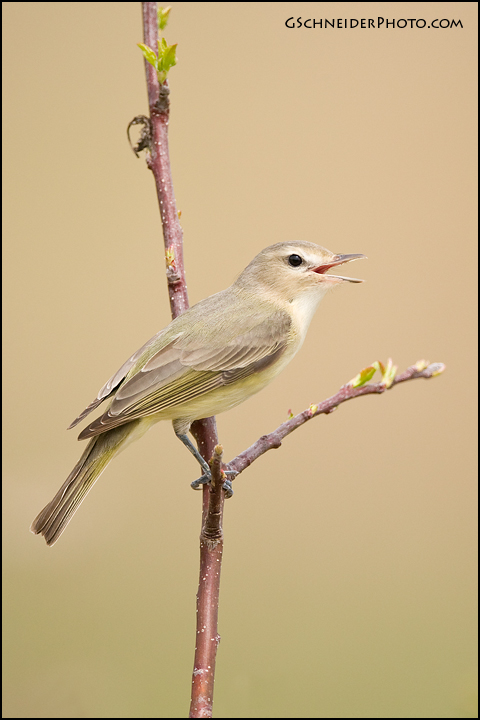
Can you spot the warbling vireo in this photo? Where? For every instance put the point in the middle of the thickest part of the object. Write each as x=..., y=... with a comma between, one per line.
x=211, y=358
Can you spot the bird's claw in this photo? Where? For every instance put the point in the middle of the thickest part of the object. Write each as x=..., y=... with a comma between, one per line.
x=207, y=477
x=227, y=486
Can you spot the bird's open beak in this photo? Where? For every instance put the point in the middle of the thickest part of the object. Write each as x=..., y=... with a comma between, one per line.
x=339, y=260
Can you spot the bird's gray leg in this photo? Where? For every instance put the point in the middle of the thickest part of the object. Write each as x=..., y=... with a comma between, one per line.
x=190, y=446
x=207, y=475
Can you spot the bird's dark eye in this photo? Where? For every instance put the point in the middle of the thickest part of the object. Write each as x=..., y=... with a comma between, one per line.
x=295, y=260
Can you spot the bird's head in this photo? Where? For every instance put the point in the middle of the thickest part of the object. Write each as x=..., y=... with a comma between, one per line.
x=292, y=269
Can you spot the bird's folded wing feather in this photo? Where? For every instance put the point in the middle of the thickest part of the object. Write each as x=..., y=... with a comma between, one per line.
x=188, y=367
x=113, y=383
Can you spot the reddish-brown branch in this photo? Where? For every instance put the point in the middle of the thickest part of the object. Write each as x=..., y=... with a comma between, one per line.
x=211, y=544
x=347, y=392
x=204, y=431
x=211, y=550
x=159, y=163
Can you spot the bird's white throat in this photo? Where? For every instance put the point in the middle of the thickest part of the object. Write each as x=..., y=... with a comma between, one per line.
x=303, y=308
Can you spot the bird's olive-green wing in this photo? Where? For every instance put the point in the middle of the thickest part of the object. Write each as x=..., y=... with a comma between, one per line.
x=113, y=383
x=187, y=368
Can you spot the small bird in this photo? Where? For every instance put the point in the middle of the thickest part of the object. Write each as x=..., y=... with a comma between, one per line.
x=209, y=359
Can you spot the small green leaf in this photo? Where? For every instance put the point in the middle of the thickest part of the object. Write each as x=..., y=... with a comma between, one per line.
x=162, y=15
x=162, y=46
x=363, y=376
x=148, y=54
x=166, y=61
x=169, y=59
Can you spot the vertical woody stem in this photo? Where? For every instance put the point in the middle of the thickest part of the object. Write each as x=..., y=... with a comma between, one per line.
x=207, y=637
x=159, y=163
x=204, y=431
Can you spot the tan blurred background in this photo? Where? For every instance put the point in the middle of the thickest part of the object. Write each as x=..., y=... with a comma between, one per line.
x=348, y=586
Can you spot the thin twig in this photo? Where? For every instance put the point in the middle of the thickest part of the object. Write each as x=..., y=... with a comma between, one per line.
x=347, y=392
x=204, y=431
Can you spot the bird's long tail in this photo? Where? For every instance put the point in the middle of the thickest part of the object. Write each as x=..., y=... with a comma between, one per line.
x=55, y=516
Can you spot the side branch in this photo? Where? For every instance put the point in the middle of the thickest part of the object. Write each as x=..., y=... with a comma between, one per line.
x=347, y=392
